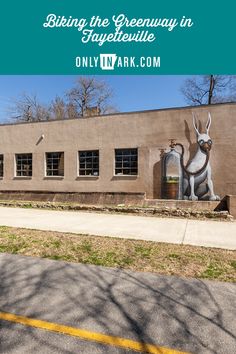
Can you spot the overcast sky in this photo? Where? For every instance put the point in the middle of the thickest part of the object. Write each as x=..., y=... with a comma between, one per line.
x=131, y=93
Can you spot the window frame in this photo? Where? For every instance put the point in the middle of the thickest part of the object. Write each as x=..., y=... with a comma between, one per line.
x=122, y=167
x=46, y=162
x=16, y=175
x=85, y=169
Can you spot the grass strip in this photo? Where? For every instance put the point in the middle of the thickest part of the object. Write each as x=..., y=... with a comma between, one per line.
x=147, y=256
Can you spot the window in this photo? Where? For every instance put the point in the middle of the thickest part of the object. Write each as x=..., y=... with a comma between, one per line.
x=23, y=165
x=1, y=165
x=89, y=163
x=55, y=164
x=126, y=161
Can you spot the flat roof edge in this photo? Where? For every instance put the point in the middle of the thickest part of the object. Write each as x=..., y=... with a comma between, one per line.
x=124, y=113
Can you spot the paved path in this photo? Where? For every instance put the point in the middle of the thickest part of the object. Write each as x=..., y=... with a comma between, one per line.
x=184, y=314
x=180, y=231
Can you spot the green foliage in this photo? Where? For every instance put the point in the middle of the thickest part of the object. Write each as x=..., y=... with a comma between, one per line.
x=174, y=256
x=233, y=264
x=213, y=271
x=143, y=251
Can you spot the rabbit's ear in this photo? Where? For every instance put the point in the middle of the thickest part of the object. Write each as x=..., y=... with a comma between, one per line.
x=208, y=122
x=195, y=124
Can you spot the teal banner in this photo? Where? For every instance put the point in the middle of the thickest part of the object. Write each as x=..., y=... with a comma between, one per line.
x=118, y=37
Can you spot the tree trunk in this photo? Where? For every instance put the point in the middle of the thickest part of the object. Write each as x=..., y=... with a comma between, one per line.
x=211, y=88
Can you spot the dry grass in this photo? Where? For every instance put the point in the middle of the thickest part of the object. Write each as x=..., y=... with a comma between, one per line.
x=162, y=258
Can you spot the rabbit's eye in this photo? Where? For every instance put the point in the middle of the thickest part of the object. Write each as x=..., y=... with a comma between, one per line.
x=201, y=142
x=210, y=142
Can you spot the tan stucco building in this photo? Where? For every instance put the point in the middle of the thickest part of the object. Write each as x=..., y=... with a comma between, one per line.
x=117, y=153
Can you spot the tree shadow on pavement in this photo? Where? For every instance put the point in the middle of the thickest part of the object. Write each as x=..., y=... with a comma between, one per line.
x=185, y=314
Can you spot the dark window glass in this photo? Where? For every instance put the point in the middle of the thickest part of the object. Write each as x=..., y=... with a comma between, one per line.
x=23, y=165
x=1, y=165
x=55, y=164
x=89, y=163
x=126, y=161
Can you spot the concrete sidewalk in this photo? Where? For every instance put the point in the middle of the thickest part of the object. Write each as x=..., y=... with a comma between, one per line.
x=180, y=231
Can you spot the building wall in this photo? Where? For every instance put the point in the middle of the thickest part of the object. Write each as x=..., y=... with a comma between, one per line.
x=149, y=131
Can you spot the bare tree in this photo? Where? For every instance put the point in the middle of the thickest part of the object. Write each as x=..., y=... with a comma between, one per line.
x=89, y=96
x=209, y=89
x=89, y=93
x=71, y=111
x=58, y=108
x=28, y=109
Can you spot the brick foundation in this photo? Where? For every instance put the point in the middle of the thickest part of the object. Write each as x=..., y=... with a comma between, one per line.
x=94, y=198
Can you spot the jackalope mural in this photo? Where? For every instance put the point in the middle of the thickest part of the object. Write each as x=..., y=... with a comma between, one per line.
x=194, y=180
